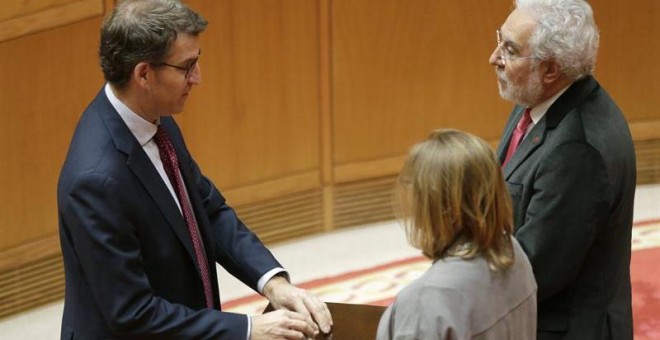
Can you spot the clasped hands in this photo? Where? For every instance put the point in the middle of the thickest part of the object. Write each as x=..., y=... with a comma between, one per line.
x=298, y=313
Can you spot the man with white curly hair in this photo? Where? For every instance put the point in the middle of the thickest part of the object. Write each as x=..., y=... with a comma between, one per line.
x=569, y=163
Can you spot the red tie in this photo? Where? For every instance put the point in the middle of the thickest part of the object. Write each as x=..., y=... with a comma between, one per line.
x=518, y=134
x=171, y=165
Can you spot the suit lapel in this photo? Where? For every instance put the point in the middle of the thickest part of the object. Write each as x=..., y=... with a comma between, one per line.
x=575, y=94
x=143, y=169
x=529, y=144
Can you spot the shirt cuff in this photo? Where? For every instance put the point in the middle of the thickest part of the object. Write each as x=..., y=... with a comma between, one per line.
x=269, y=275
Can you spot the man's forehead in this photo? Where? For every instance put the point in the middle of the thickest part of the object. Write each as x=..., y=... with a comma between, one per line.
x=184, y=47
x=518, y=27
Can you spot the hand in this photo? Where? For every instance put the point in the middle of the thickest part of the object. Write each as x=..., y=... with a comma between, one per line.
x=284, y=295
x=280, y=324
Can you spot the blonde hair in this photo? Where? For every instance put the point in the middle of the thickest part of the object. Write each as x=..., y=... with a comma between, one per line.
x=453, y=199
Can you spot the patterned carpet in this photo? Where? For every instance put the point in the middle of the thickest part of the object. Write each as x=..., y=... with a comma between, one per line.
x=645, y=274
x=379, y=285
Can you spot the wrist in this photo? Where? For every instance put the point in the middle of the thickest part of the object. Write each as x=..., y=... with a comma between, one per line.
x=277, y=280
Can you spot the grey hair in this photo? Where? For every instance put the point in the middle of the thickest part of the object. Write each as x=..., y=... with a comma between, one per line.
x=142, y=30
x=566, y=32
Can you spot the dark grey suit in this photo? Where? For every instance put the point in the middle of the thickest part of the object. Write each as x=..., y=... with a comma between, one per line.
x=129, y=262
x=572, y=181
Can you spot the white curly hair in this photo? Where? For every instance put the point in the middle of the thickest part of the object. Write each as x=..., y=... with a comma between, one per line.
x=566, y=32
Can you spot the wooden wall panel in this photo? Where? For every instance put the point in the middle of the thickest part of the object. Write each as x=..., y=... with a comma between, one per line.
x=403, y=67
x=255, y=118
x=306, y=111
x=627, y=64
x=46, y=80
x=22, y=17
x=18, y=8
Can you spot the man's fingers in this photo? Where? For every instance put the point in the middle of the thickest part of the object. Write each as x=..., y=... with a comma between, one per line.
x=301, y=323
x=287, y=296
x=315, y=310
x=281, y=324
x=300, y=306
x=320, y=313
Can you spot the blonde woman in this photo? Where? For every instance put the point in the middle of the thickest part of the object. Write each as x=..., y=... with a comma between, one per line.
x=457, y=211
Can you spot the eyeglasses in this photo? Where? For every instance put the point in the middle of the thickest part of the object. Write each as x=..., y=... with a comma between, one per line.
x=508, y=50
x=189, y=68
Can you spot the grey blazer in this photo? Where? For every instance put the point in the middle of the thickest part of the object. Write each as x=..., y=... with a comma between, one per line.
x=572, y=181
x=464, y=299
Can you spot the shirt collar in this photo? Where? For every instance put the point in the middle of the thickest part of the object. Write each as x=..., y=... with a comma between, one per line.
x=142, y=129
x=539, y=111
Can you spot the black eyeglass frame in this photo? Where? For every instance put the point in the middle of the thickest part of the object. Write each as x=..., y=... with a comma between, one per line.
x=188, y=68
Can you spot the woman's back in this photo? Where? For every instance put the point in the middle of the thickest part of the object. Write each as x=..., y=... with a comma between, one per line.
x=465, y=299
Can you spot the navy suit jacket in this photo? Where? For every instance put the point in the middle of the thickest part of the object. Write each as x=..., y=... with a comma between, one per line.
x=572, y=181
x=129, y=263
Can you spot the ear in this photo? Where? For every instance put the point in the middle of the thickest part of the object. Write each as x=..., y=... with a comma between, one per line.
x=142, y=73
x=551, y=71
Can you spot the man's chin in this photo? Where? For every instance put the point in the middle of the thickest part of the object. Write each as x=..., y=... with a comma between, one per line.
x=504, y=94
x=501, y=86
x=178, y=110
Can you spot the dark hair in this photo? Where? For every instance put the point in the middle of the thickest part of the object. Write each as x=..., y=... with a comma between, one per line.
x=142, y=30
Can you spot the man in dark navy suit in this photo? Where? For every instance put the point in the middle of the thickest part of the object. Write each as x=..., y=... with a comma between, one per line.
x=141, y=228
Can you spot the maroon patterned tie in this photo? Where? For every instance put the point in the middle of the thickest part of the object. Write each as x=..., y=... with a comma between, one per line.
x=171, y=165
x=518, y=134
